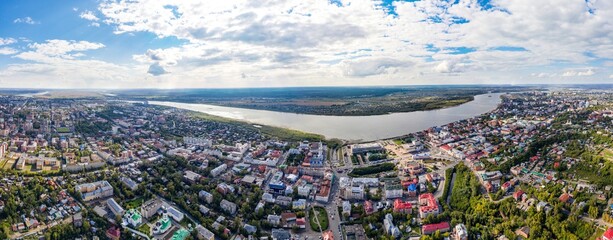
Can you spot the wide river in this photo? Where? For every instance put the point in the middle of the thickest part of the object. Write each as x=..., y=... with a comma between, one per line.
x=364, y=128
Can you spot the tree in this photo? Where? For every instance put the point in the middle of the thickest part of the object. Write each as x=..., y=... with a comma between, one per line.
x=593, y=211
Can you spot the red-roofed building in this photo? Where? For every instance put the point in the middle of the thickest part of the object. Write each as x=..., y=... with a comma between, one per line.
x=113, y=233
x=518, y=195
x=608, y=235
x=565, y=197
x=403, y=207
x=446, y=148
x=505, y=186
x=429, y=205
x=328, y=235
x=301, y=222
x=432, y=228
x=368, y=209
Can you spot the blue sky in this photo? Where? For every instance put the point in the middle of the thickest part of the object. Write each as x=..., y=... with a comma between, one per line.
x=242, y=43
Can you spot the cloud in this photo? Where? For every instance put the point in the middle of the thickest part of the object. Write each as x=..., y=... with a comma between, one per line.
x=8, y=51
x=450, y=66
x=372, y=66
x=611, y=76
x=543, y=75
x=88, y=15
x=56, y=50
x=578, y=73
x=26, y=20
x=319, y=42
x=156, y=69
x=7, y=41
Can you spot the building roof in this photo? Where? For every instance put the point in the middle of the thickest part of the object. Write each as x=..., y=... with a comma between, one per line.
x=204, y=232
x=435, y=226
x=608, y=234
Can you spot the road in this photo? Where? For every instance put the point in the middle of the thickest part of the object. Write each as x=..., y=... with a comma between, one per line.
x=137, y=232
x=453, y=176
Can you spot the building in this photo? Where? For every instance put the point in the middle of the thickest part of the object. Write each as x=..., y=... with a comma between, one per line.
x=228, y=206
x=218, y=170
x=77, y=220
x=150, y=208
x=95, y=190
x=133, y=217
x=390, y=228
x=366, y=147
x=175, y=214
x=115, y=207
x=204, y=234
x=460, y=232
x=429, y=205
x=299, y=204
x=275, y=220
x=206, y=196
x=191, y=176
x=203, y=209
x=280, y=234
x=129, y=183
x=442, y=227
x=368, y=208
x=198, y=141
x=393, y=191
x=608, y=235
x=113, y=233
x=403, y=207
x=355, y=232
x=346, y=208
x=523, y=231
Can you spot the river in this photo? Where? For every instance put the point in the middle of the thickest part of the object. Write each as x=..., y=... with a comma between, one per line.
x=355, y=128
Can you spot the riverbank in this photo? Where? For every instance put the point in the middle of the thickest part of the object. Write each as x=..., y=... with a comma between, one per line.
x=278, y=132
x=350, y=128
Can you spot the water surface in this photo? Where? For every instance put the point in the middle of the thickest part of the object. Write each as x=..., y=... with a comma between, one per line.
x=365, y=128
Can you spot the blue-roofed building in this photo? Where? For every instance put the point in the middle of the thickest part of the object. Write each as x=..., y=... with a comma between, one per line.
x=412, y=190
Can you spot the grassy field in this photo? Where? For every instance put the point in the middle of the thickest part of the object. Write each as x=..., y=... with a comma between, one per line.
x=63, y=130
x=145, y=229
x=134, y=203
x=322, y=216
x=7, y=164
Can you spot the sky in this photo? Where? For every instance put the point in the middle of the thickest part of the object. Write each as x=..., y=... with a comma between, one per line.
x=113, y=44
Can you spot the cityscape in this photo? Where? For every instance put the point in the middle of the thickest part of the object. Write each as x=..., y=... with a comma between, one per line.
x=306, y=120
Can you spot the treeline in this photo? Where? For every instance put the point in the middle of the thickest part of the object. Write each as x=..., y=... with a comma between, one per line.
x=384, y=167
x=92, y=128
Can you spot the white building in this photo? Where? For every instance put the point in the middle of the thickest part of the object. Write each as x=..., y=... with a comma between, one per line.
x=228, y=206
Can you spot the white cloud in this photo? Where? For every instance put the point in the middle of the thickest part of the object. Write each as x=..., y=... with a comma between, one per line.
x=7, y=41
x=451, y=66
x=371, y=66
x=89, y=15
x=611, y=76
x=7, y=51
x=543, y=75
x=578, y=73
x=295, y=42
x=26, y=20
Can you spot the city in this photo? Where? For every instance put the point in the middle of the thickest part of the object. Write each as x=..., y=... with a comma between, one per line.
x=306, y=120
x=122, y=170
